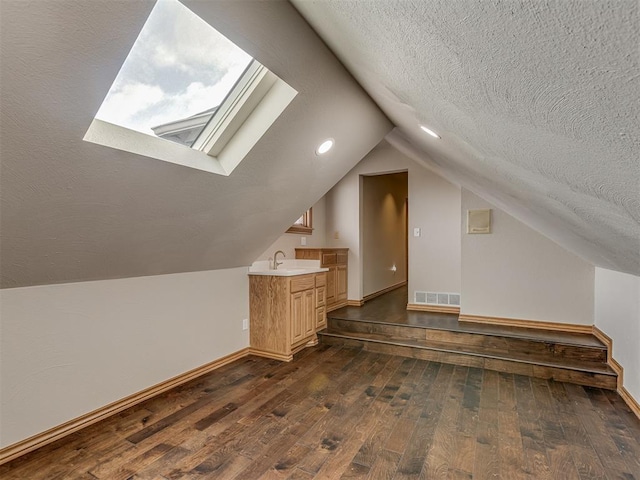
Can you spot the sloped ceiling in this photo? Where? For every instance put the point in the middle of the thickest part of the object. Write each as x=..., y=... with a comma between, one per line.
x=537, y=103
x=75, y=211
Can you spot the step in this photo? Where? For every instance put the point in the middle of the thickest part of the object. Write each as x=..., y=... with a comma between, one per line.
x=489, y=339
x=595, y=374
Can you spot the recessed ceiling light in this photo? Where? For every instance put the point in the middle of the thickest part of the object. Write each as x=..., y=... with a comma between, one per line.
x=324, y=146
x=429, y=131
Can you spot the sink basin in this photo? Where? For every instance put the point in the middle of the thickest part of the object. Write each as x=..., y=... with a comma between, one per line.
x=289, y=272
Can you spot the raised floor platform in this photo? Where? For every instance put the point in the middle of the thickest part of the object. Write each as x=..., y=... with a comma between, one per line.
x=384, y=325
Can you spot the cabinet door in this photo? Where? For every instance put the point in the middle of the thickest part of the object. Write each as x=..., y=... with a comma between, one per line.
x=309, y=322
x=341, y=283
x=321, y=296
x=331, y=286
x=321, y=318
x=297, y=316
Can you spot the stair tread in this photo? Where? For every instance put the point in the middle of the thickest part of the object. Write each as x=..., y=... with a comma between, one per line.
x=449, y=322
x=596, y=367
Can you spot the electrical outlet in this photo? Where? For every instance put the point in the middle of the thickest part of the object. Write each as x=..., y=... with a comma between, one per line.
x=336, y=235
x=303, y=241
x=245, y=324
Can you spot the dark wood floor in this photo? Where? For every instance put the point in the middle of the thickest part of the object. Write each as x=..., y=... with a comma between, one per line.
x=383, y=325
x=346, y=413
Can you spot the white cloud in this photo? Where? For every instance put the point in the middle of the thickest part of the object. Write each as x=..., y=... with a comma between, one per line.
x=178, y=67
x=180, y=38
x=124, y=104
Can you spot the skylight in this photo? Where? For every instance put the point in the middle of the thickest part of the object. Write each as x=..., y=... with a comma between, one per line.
x=178, y=68
x=185, y=82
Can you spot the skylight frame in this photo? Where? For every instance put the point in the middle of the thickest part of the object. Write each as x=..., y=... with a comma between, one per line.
x=253, y=104
x=246, y=94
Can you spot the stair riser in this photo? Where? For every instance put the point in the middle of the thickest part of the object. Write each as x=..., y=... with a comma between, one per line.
x=509, y=366
x=489, y=343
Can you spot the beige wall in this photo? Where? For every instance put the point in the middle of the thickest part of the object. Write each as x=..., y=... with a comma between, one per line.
x=288, y=242
x=384, y=235
x=434, y=206
x=68, y=349
x=617, y=313
x=75, y=211
x=515, y=272
x=434, y=256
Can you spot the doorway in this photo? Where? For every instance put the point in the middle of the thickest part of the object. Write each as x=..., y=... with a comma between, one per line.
x=384, y=220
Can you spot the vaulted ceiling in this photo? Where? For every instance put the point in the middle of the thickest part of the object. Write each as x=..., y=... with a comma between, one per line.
x=76, y=211
x=537, y=103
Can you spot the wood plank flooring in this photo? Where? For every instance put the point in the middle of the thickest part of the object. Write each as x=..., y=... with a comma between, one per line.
x=384, y=325
x=347, y=413
x=391, y=309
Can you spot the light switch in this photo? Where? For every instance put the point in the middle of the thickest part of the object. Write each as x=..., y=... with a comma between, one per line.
x=416, y=232
x=303, y=241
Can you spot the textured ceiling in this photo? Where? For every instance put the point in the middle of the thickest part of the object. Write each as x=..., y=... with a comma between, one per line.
x=537, y=103
x=76, y=211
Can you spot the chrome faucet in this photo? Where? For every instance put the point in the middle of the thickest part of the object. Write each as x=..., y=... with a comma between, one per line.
x=275, y=259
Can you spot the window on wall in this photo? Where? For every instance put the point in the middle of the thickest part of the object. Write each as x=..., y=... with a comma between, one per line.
x=303, y=224
x=186, y=83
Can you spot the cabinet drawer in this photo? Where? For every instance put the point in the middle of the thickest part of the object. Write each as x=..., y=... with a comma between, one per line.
x=307, y=254
x=328, y=259
x=303, y=282
x=321, y=279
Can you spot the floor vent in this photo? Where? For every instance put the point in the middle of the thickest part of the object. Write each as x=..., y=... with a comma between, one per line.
x=437, y=298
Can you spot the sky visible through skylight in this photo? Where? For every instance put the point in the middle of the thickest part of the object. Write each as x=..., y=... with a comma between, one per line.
x=179, y=66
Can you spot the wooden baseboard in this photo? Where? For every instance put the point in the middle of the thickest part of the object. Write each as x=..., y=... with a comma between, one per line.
x=616, y=367
x=604, y=338
x=373, y=295
x=271, y=355
x=417, y=307
x=514, y=322
x=355, y=303
x=630, y=401
x=32, y=443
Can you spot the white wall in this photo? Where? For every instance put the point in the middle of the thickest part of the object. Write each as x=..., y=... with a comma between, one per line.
x=434, y=206
x=288, y=242
x=515, y=272
x=384, y=234
x=68, y=349
x=617, y=313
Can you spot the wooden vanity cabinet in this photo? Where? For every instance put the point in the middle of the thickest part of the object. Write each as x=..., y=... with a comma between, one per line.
x=285, y=313
x=336, y=260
